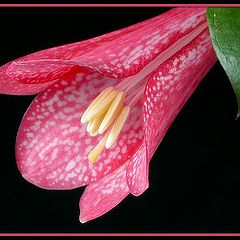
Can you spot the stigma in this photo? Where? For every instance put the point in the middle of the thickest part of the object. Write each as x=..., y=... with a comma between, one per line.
x=108, y=112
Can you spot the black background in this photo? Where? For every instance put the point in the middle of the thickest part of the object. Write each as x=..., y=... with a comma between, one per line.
x=194, y=175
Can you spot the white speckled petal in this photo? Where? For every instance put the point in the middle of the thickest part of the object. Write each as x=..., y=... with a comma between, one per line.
x=9, y=83
x=10, y=86
x=116, y=55
x=103, y=195
x=52, y=145
x=131, y=52
x=137, y=172
x=166, y=93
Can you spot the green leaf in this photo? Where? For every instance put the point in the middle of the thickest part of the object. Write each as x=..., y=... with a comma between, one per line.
x=224, y=26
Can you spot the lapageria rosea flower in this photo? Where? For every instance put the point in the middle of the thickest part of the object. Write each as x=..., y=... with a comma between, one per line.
x=140, y=78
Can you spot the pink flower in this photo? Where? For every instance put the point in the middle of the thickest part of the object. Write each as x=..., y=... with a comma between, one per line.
x=153, y=68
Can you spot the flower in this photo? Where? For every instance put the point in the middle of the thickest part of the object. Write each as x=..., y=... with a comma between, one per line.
x=144, y=74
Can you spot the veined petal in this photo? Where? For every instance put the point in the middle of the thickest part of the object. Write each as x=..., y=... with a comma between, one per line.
x=103, y=195
x=39, y=71
x=13, y=82
x=143, y=43
x=137, y=171
x=166, y=92
x=52, y=145
x=10, y=86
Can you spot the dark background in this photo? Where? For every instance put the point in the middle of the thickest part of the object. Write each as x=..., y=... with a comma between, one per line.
x=194, y=175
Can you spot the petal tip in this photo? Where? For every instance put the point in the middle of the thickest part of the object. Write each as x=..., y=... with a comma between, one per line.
x=81, y=219
x=140, y=191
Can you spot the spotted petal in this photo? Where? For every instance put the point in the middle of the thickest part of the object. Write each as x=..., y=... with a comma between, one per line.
x=103, y=195
x=166, y=93
x=106, y=54
x=12, y=81
x=137, y=171
x=52, y=145
x=10, y=86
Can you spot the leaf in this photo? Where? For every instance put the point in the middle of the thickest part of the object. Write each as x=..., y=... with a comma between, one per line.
x=224, y=26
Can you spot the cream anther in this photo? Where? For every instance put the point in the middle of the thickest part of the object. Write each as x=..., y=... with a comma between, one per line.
x=95, y=102
x=117, y=126
x=112, y=112
x=102, y=106
x=97, y=150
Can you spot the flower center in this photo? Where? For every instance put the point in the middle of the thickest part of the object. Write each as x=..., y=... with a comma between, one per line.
x=109, y=111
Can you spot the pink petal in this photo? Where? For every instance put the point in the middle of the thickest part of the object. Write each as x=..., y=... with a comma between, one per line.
x=117, y=55
x=131, y=52
x=9, y=85
x=166, y=93
x=51, y=157
x=137, y=172
x=167, y=90
x=173, y=83
x=103, y=195
x=52, y=145
x=39, y=71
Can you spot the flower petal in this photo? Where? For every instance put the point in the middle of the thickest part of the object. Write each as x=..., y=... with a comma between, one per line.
x=144, y=42
x=137, y=172
x=173, y=83
x=9, y=84
x=166, y=92
x=39, y=71
x=103, y=195
x=52, y=145
x=131, y=52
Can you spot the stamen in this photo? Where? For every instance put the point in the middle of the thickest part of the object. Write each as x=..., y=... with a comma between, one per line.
x=97, y=150
x=136, y=82
x=93, y=134
x=124, y=83
x=95, y=102
x=134, y=100
x=102, y=107
x=117, y=126
x=112, y=112
x=90, y=126
x=94, y=124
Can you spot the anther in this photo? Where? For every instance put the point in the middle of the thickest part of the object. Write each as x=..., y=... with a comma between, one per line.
x=94, y=124
x=102, y=106
x=95, y=102
x=97, y=150
x=117, y=126
x=112, y=112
